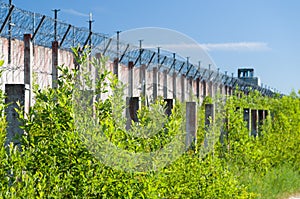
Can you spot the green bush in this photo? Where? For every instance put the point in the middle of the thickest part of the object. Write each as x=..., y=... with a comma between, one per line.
x=54, y=160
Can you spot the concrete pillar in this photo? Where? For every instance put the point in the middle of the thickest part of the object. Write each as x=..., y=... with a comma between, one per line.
x=130, y=79
x=98, y=57
x=132, y=106
x=261, y=118
x=182, y=88
x=229, y=90
x=246, y=116
x=254, y=116
x=155, y=83
x=116, y=67
x=169, y=106
x=215, y=89
x=165, y=84
x=209, y=120
x=143, y=80
x=191, y=124
x=28, y=58
x=209, y=114
x=174, y=85
x=266, y=113
x=204, y=89
x=210, y=89
x=55, y=47
x=224, y=133
x=190, y=89
x=221, y=89
x=198, y=88
x=15, y=93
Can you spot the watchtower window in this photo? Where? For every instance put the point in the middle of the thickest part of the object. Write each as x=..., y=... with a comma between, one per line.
x=246, y=73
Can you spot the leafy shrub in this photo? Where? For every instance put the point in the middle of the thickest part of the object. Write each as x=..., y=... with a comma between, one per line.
x=56, y=162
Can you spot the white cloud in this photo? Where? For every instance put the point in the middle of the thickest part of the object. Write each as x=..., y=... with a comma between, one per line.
x=235, y=46
x=75, y=12
x=238, y=46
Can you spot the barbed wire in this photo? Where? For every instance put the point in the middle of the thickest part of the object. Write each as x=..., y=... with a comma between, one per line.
x=42, y=28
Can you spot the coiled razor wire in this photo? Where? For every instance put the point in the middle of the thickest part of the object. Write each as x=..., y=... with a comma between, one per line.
x=41, y=27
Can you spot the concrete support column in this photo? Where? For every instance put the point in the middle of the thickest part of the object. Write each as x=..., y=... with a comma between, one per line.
x=229, y=91
x=15, y=93
x=182, y=88
x=221, y=89
x=155, y=83
x=209, y=114
x=266, y=113
x=132, y=106
x=116, y=67
x=143, y=80
x=174, y=85
x=28, y=58
x=210, y=89
x=165, y=84
x=215, y=89
x=98, y=57
x=130, y=79
x=254, y=117
x=204, y=89
x=226, y=90
x=190, y=89
x=55, y=47
x=246, y=116
x=198, y=88
x=191, y=124
x=261, y=118
x=209, y=120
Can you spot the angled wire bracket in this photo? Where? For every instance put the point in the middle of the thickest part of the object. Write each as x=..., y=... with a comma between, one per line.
x=187, y=73
x=181, y=67
x=122, y=56
x=7, y=18
x=139, y=57
x=150, y=60
x=108, y=43
x=39, y=26
x=87, y=40
x=65, y=35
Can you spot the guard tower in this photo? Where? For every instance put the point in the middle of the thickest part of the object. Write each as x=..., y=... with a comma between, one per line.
x=247, y=75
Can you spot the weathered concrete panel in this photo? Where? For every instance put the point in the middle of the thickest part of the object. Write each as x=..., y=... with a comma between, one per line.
x=54, y=63
x=137, y=87
x=155, y=83
x=209, y=121
x=132, y=106
x=143, y=80
x=254, y=123
x=174, y=85
x=191, y=123
x=15, y=93
x=183, y=88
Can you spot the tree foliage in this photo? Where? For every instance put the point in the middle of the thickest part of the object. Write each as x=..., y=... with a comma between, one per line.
x=54, y=161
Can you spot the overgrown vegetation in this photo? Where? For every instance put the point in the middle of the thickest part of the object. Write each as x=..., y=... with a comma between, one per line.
x=55, y=162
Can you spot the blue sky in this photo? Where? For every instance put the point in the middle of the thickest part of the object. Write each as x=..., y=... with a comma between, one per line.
x=263, y=34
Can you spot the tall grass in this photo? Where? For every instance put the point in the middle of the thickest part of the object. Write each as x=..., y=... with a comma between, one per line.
x=278, y=182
